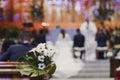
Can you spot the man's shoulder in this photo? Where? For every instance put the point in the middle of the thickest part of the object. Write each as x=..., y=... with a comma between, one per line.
x=16, y=45
x=79, y=35
x=20, y=46
x=76, y=35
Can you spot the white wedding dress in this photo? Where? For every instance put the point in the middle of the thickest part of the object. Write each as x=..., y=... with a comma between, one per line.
x=66, y=64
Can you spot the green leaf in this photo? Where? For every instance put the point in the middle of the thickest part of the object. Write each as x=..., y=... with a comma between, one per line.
x=117, y=46
x=19, y=67
x=25, y=60
x=27, y=73
x=34, y=73
x=32, y=56
x=51, y=68
x=25, y=70
x=41, y=72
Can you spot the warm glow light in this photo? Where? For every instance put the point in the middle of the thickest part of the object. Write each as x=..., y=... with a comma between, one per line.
x=44, y=24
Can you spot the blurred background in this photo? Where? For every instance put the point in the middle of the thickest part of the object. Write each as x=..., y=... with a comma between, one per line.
x=53, y=15
x=63, y=13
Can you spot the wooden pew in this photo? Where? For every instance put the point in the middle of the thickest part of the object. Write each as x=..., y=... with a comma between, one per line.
x=8, y=70
x=117, y=73
x=114, y=63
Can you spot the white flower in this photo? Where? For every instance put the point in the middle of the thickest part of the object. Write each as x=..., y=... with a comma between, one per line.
x=46, y=52
x=40, y=47
x=33, y=50
x=49, y=46
x=41, y=66
x=41, y=58
x=51, y=50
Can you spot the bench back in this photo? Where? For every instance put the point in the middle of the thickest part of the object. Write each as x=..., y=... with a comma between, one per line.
x=8, y=69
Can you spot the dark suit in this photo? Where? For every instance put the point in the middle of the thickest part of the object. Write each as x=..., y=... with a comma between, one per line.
x=101, y=39
x=6, y=44
x=40, y=38
x=78, y=42
x=15, y=51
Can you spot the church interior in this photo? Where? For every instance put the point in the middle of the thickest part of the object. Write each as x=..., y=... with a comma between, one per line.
x=97, y=20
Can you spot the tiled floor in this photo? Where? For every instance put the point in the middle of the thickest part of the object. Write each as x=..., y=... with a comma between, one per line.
x=95, y=70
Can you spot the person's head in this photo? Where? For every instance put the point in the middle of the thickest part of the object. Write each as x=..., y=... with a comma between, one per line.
x=77, y=30
x=87, y=19
x=42, y=31
x=63, y=32
x=100, y=30
x=25, y=37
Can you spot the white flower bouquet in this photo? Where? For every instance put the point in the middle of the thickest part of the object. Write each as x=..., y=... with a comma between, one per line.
x=39, y=61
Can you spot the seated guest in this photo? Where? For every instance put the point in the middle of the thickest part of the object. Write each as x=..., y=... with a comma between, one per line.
x=6, y=44
x=15, y=51
x=40, y=37
x=78, y=44
x=102, y=48
x=115, y=39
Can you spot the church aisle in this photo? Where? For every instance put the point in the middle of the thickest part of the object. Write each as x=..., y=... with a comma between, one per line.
x=93, y=70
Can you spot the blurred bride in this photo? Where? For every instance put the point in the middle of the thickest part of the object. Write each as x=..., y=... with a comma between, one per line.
x=66, y=65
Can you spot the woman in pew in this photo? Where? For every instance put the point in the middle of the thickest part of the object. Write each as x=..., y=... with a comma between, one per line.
x=15, y=51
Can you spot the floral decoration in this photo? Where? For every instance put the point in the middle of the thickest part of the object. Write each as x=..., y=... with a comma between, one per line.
x=39, y=61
